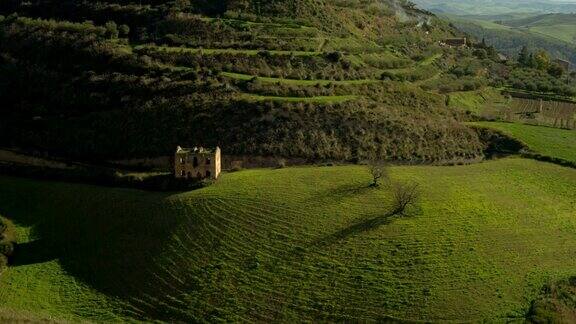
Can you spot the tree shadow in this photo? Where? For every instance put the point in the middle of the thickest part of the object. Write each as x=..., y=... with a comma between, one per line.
x=38, y=251
x=365, y=225
x=342, y=192
x=106, y=238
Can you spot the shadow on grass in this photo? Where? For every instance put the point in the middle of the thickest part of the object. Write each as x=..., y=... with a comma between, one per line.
x=34, y=252
x=343, y=192
x=108, y=238
x=356, y=229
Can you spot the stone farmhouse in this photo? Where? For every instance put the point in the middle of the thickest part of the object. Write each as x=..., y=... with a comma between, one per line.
x=197, y=163
x=455, y=42
x=563, y=63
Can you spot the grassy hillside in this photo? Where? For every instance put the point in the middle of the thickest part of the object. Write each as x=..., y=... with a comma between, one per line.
x=553, y=142
x=480, y=103
x=497, y=7
x=557, y=39
x=509, y=32
x=294, y=244
x=560, y=26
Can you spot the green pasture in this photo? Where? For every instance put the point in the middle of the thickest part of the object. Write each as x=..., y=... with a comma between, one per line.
x=294, y=244
x=549, y=141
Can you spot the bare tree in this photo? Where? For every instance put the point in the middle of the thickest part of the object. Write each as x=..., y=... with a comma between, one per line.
x=405, y=195
x=379, y=170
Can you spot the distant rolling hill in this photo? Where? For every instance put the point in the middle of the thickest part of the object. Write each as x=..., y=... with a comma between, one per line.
x=559, y=26
x=496, y=7
x=552, y=32
x=510, y=25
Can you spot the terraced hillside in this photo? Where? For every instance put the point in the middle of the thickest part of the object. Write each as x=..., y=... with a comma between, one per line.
x=294, y=244
x=320, y=80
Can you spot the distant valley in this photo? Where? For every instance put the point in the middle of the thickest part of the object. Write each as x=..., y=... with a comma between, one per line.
x=496, y=7
x=510, y=25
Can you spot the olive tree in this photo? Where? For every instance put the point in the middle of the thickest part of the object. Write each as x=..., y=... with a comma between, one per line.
x=378, y=169
x=404, y=196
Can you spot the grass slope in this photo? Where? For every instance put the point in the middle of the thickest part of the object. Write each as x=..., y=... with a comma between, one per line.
x=557, y=39
x=480, y=102
x=553, y=142
x=295, y=244
x=560, y=26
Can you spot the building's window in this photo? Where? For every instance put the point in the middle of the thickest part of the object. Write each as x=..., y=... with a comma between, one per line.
x=181, y=173
x=195, y=163
x=182, y=160
x=208, y=161
x=208, y=174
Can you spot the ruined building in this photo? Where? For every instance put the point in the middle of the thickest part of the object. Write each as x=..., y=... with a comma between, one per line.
x=197, y=163
x=455, y=42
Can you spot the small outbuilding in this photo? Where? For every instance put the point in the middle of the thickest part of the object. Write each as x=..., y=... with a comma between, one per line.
x=456, y=42
x=563, y=63
x=197, y=163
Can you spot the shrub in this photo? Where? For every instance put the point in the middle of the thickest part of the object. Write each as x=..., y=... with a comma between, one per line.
x=405, y=195
x=378, y=170
x=555, y=304
x=334, y=56
x=111, y=30
x=3, y=262
x=7, y=233
x=280, y=164
x=124, y=30
x=7, y=241
x=7, y=248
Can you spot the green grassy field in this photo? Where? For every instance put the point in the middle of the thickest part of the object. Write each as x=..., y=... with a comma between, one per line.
x=566, y=33
x=293, y=244
x=553, y=142
x=559, y=26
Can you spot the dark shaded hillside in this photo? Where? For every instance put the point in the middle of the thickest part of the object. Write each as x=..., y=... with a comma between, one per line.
x=289, y=78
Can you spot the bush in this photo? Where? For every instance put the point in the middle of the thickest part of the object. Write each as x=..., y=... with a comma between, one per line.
x=124, y=30
x=334, y=56
x=3, y=262
x=555, y=304
x=378, y=169
x=7, y=241
x=280, y=164
x=405, y=195
x=235, y=169
x=7, y=248
x=111, y=30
